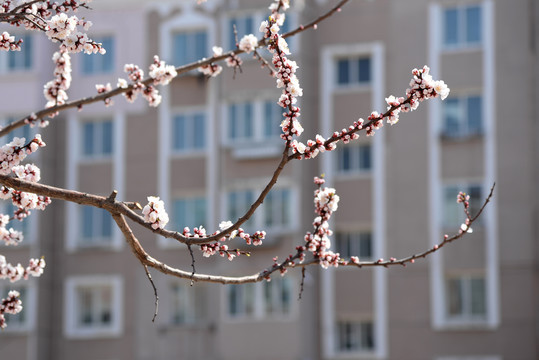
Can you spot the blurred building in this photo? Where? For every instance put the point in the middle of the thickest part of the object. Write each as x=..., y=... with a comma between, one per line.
x=212, y=145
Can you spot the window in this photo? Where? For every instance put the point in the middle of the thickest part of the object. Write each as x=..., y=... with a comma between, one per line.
x=241, y=121
x=100, y=64
x=466, y=298
x=244, y=26
x=241, y=300
x=188, y=47
x=462, y=117
x=93, y=306
x=190, y=212
x=277, y=296
x=95, y=226
x=188, y=304
x=21, y=321
x=462, y=26
x=277, y=207
x=254, y=121
x=354, y=336
x=260, y=300
x=353, y=71
x=354, y=159
x=354, y=244
x=97, y=138
x=21, y=60
x=275, y=213
x=453, y=212
x=189, y=132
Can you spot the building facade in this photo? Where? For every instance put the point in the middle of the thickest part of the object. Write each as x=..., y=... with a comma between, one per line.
x=212, y=145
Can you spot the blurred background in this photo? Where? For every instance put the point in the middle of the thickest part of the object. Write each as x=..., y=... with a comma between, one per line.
x=212, y=145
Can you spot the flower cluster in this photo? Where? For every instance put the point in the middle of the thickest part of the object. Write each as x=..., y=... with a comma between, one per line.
x=9, y=236
x=217, y=247
x=149, y=92
x=55, y=90
x=212, y=69
x=15, y=273
x=248, y=43
x=326, y=201
x=8, y=42
x=10, y=305
x=63, y=29
x=154, y=212
x=161, y=73
x=101, y=89
x=285, y=70
x=14, y=152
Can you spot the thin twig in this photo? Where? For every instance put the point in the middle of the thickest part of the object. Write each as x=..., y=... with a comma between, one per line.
x=154, y=292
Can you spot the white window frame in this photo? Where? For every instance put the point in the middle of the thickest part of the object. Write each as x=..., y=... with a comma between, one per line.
x=354, y=238
x=464, y=131
x=97, y=138
x=187, y=300
x=71, y=329
x=190, y=114
x=466, y=318
x=259, y=145
x=462, y=43
x=188, y=21
x=259, y=306
x=361, y=351
x=356, y=149
x=29, y=304
x=353, y=75
x=98, y=60
x=103, y=242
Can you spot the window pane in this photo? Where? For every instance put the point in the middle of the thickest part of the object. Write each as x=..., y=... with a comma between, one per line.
x=343, y=72
x=233, y=300
x=180, y=214
x=452, y=215
x=272, y=119
x=26, y=50
x=248, y=120
x=179, y=132
x=365, y=160
x=233, y=122
x=200, y=131
x=451, y=27
x=473, y=24
x=88, y=129
x=478, y=306
x=365, y=245
x=454, y=298
x=180, y=49
x=364, y=70
x=87, y=222
x=107, y=60
x=474, y=115
x=200, y=46
x=344, y=159
x=106, y=223
x=107, y=137
x=452, y=116
x=199, y=212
